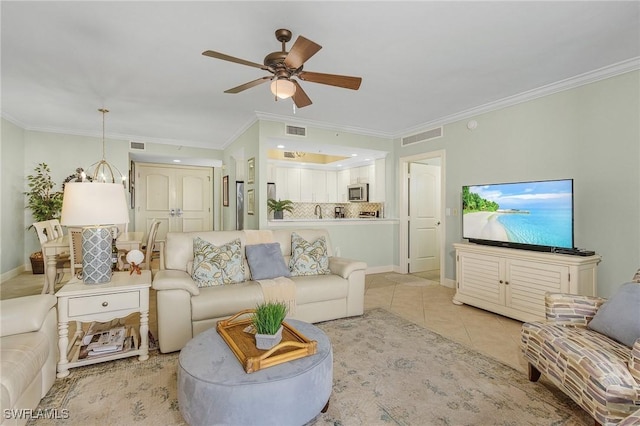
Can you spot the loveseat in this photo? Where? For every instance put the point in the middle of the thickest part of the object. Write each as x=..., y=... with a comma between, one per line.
x=185, y=309
x=28, y=354
x=590, y=349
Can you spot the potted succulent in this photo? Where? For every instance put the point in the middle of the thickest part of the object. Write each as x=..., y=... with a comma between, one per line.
x=267, y=320
x=278, y=207
x=45, y=204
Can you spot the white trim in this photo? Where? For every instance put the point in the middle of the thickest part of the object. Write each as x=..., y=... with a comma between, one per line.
x=403, y=254
x=321, y=125
x=13, y=273
x=239, y=132
x=609, y=71
x=379, y=269
x=603, y=73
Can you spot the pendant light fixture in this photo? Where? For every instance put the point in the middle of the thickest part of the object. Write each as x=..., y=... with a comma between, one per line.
x=102, y=171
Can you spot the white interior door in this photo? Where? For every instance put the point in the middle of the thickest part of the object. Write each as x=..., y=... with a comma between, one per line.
x=180, y=197
x=424, y=212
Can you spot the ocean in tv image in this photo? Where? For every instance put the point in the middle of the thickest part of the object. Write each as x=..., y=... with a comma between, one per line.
x=539, y=213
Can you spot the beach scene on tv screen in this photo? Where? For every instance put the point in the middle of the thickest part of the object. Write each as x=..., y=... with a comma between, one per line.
x=539, y=213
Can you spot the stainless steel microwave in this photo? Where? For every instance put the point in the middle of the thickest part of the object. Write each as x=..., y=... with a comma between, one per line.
x=358, y=192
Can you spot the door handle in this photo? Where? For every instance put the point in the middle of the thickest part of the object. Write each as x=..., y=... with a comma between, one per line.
x=179, y=213
x=438, y=223
x=172, y=212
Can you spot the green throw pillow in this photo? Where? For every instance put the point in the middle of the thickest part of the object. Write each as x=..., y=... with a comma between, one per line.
x=213, y=265
x=308, y=258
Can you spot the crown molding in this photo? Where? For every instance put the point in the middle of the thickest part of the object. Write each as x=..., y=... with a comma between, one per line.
x=603, y=73
x=613, y=70
x=321, y=125
x=240, y=131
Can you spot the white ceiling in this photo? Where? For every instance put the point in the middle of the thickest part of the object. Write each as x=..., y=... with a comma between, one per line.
x=420, y=62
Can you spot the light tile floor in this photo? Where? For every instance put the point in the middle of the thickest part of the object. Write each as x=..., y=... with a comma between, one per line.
x=414, y=297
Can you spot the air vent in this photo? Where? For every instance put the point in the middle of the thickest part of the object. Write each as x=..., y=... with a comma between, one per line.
x=295, y=130
x=422, y=137
x=136, y=146
x=289, y=154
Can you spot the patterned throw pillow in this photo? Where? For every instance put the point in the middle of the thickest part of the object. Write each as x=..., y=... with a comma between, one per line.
x=214, y=265
x=308, y=258
x=636, y=277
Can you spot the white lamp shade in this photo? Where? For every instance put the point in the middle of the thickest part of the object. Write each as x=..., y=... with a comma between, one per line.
x=283, y=88
x=90, y=203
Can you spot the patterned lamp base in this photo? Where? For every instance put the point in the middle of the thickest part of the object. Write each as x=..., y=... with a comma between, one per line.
x=96, y=254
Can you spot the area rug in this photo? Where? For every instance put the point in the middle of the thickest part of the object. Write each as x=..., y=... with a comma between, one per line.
x=387, y=371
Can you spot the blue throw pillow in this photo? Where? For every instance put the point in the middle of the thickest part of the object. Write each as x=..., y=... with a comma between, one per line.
x=266, y=261
x=619, y=317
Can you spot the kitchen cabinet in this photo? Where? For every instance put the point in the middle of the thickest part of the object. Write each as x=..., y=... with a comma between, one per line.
x=513, y=282
x=288, y=183
x=343, y=183
x=332, y=187
x=313, y=186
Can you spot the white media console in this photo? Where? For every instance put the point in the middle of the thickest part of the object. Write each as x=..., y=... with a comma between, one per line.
x=513, y=282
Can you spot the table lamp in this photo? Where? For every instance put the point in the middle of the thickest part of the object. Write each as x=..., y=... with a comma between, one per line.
x=96, y=208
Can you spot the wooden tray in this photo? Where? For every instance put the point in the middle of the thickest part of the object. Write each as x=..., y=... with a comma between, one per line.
x=294, y=344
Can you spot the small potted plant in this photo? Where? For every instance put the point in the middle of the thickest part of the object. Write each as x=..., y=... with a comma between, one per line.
x=267, y=320
x=278, y=207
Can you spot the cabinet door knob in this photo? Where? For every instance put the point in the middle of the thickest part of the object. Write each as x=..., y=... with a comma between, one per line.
x=500, y=281
x=105, y=303
x=506, y=282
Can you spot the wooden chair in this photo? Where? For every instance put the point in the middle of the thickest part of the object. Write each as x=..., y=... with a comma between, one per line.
x=55, y=229
x=151, y=242
x=75, y=247
x=147, y=248
x=48, y=230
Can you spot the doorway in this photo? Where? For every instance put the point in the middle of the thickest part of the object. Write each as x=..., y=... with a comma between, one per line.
x=180, y=197
x=422, y=229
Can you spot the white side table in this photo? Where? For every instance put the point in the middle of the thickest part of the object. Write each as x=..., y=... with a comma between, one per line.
x=123, y=295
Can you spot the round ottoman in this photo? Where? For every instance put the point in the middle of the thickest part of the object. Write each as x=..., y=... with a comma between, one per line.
x=213, y=388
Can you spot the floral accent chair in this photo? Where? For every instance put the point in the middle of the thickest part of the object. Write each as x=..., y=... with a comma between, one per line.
x=600, y=374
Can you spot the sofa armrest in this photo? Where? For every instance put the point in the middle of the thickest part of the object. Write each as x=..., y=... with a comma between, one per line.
x=170, y=279
x=571, y=309
x=25, y=314
x=345, y=267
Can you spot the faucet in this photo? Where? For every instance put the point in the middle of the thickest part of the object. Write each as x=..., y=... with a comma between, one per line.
x=316, y=209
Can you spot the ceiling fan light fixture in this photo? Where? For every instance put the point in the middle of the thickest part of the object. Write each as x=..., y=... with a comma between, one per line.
x=283, y=88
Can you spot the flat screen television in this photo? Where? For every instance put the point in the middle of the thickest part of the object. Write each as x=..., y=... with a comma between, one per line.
x=535, y=215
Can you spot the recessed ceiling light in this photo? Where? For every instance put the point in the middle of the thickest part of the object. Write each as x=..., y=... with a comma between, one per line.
x=354, y=155
x=367, y=159
x=177, y=161
x=280, y=146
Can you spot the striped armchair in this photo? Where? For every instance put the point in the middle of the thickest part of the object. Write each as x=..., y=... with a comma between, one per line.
x=598, y=373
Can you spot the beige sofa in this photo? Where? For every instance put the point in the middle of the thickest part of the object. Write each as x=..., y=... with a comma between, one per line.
x=184, y=310
x=28, y=354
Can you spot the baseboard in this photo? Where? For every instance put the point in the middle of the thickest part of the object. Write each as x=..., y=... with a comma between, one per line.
x=379, y=269
x=12, y=273
x=448, y=282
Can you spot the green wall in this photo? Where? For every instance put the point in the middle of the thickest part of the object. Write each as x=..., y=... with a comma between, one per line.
x=12, y=201
x=591, y=134
x=23, y=150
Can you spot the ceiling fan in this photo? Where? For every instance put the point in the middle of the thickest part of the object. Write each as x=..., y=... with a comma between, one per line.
x=284, y=66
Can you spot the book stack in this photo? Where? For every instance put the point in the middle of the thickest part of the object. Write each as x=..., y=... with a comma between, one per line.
x=103, y=339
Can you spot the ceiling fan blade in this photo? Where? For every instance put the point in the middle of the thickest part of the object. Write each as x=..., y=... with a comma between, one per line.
x=248, y=85
x=302, y=50
x=344, y=81
x=218, y=55
x=300, y=98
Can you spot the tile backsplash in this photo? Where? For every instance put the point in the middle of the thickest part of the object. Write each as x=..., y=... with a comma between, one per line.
x=351, y=210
